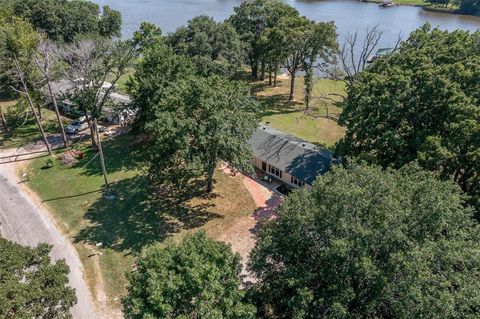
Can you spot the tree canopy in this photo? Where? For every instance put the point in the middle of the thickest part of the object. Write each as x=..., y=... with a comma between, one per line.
x=198, y=122
x=158, y=69
x=214, y=47
x=197, y=278
x=368, y=243
x=31, y=286
x=251, y=20
x=65, y=20
x=421, y=103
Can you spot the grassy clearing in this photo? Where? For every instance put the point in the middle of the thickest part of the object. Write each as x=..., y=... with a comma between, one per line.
x=133, y=221
x=122, y=83
x=27, y=131
x=317, y=125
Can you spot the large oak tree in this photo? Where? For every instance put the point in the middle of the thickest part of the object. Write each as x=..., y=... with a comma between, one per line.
x=421, y=103
x=31, y=286
x=214, y=47
x=197, y=278
x=199, y=122
x=368, y=243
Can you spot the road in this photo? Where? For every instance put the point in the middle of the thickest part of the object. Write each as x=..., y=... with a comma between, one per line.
x=24, y=222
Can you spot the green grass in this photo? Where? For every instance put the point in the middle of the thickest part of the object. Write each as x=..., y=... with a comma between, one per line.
x=26, y=132
x=122, y=82
x=318, y=124
x=133, y=220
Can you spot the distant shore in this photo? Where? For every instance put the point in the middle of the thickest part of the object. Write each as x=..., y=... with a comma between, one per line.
x=425, y=6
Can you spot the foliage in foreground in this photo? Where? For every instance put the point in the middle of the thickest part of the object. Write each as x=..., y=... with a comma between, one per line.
x=368, y=243
x=30, y=285
x=197, y=278
x=422, y=103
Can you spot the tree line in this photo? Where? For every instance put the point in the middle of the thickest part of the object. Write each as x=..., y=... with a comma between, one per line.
x=471, y=7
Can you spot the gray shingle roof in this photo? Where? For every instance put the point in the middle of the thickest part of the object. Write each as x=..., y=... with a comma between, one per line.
x=298, y=158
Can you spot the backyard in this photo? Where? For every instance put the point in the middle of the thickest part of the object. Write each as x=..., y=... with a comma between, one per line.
x=318, y=124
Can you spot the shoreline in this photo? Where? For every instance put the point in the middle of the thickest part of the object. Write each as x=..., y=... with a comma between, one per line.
x=427, y=7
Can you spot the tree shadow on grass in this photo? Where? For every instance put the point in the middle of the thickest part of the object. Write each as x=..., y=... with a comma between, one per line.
x=133, y=219
x=121, y=153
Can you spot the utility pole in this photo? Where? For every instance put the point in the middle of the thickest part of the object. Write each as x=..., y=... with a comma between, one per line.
x=102, y=161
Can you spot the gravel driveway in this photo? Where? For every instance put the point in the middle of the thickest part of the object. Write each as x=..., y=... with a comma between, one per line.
x=24, y=222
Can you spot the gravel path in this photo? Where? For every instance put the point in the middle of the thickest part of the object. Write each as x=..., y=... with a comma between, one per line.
x=23, y=221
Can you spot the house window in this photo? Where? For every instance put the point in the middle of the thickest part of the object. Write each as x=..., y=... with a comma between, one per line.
x=275, y=171
x=297, y=182
x=264, y=166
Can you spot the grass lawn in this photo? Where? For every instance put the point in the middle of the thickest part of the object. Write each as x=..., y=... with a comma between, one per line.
x=26, y=132
x=122, y=83
x=317, y=125
x=132, y=221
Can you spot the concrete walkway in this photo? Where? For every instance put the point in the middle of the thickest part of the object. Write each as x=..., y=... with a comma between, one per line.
x=24, y=222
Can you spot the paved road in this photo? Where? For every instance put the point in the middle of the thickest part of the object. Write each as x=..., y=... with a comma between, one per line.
x=24, y=222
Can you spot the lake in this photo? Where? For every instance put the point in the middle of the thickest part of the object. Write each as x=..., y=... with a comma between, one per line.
x=348, y=15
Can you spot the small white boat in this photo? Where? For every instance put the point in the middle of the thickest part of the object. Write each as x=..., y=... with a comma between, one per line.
x=387, y=4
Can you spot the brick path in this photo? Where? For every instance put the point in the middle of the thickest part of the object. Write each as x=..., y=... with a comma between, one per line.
x=242, y=235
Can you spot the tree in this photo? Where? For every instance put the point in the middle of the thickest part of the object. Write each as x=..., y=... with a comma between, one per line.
x=147, y=36
x=91, y=63
x=197, y=278
x=159, y=68
x=421, y=103
x=47, y=62
x=251, y=19
x=66, y=20
x=309, y=43
x=31, y=285
x=308, y=81
x=110, y=24
x=368, y=243
x=273, y=52
x=199, y=122
x=354, y=55
x=214, y=47
x=469, y=6
x=18, y=42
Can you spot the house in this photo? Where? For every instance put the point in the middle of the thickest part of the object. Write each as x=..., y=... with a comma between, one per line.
x=289, y=159
x=116, y=111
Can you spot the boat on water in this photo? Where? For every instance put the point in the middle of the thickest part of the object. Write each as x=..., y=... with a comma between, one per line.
x=387, y=4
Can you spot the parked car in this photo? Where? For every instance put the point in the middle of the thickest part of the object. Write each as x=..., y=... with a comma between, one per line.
x=76, y=126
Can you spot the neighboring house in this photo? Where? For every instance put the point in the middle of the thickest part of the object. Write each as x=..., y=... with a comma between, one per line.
x=116, y=112
x=380, y=54
x=285, y=157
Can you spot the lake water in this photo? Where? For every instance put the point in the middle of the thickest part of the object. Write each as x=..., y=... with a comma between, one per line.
x=348, y=15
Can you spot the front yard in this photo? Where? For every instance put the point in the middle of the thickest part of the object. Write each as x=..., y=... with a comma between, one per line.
x=121, y=228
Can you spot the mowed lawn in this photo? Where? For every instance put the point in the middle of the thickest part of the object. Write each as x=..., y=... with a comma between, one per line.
x=121, y=228
x=26, y=131
x=318, y=124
